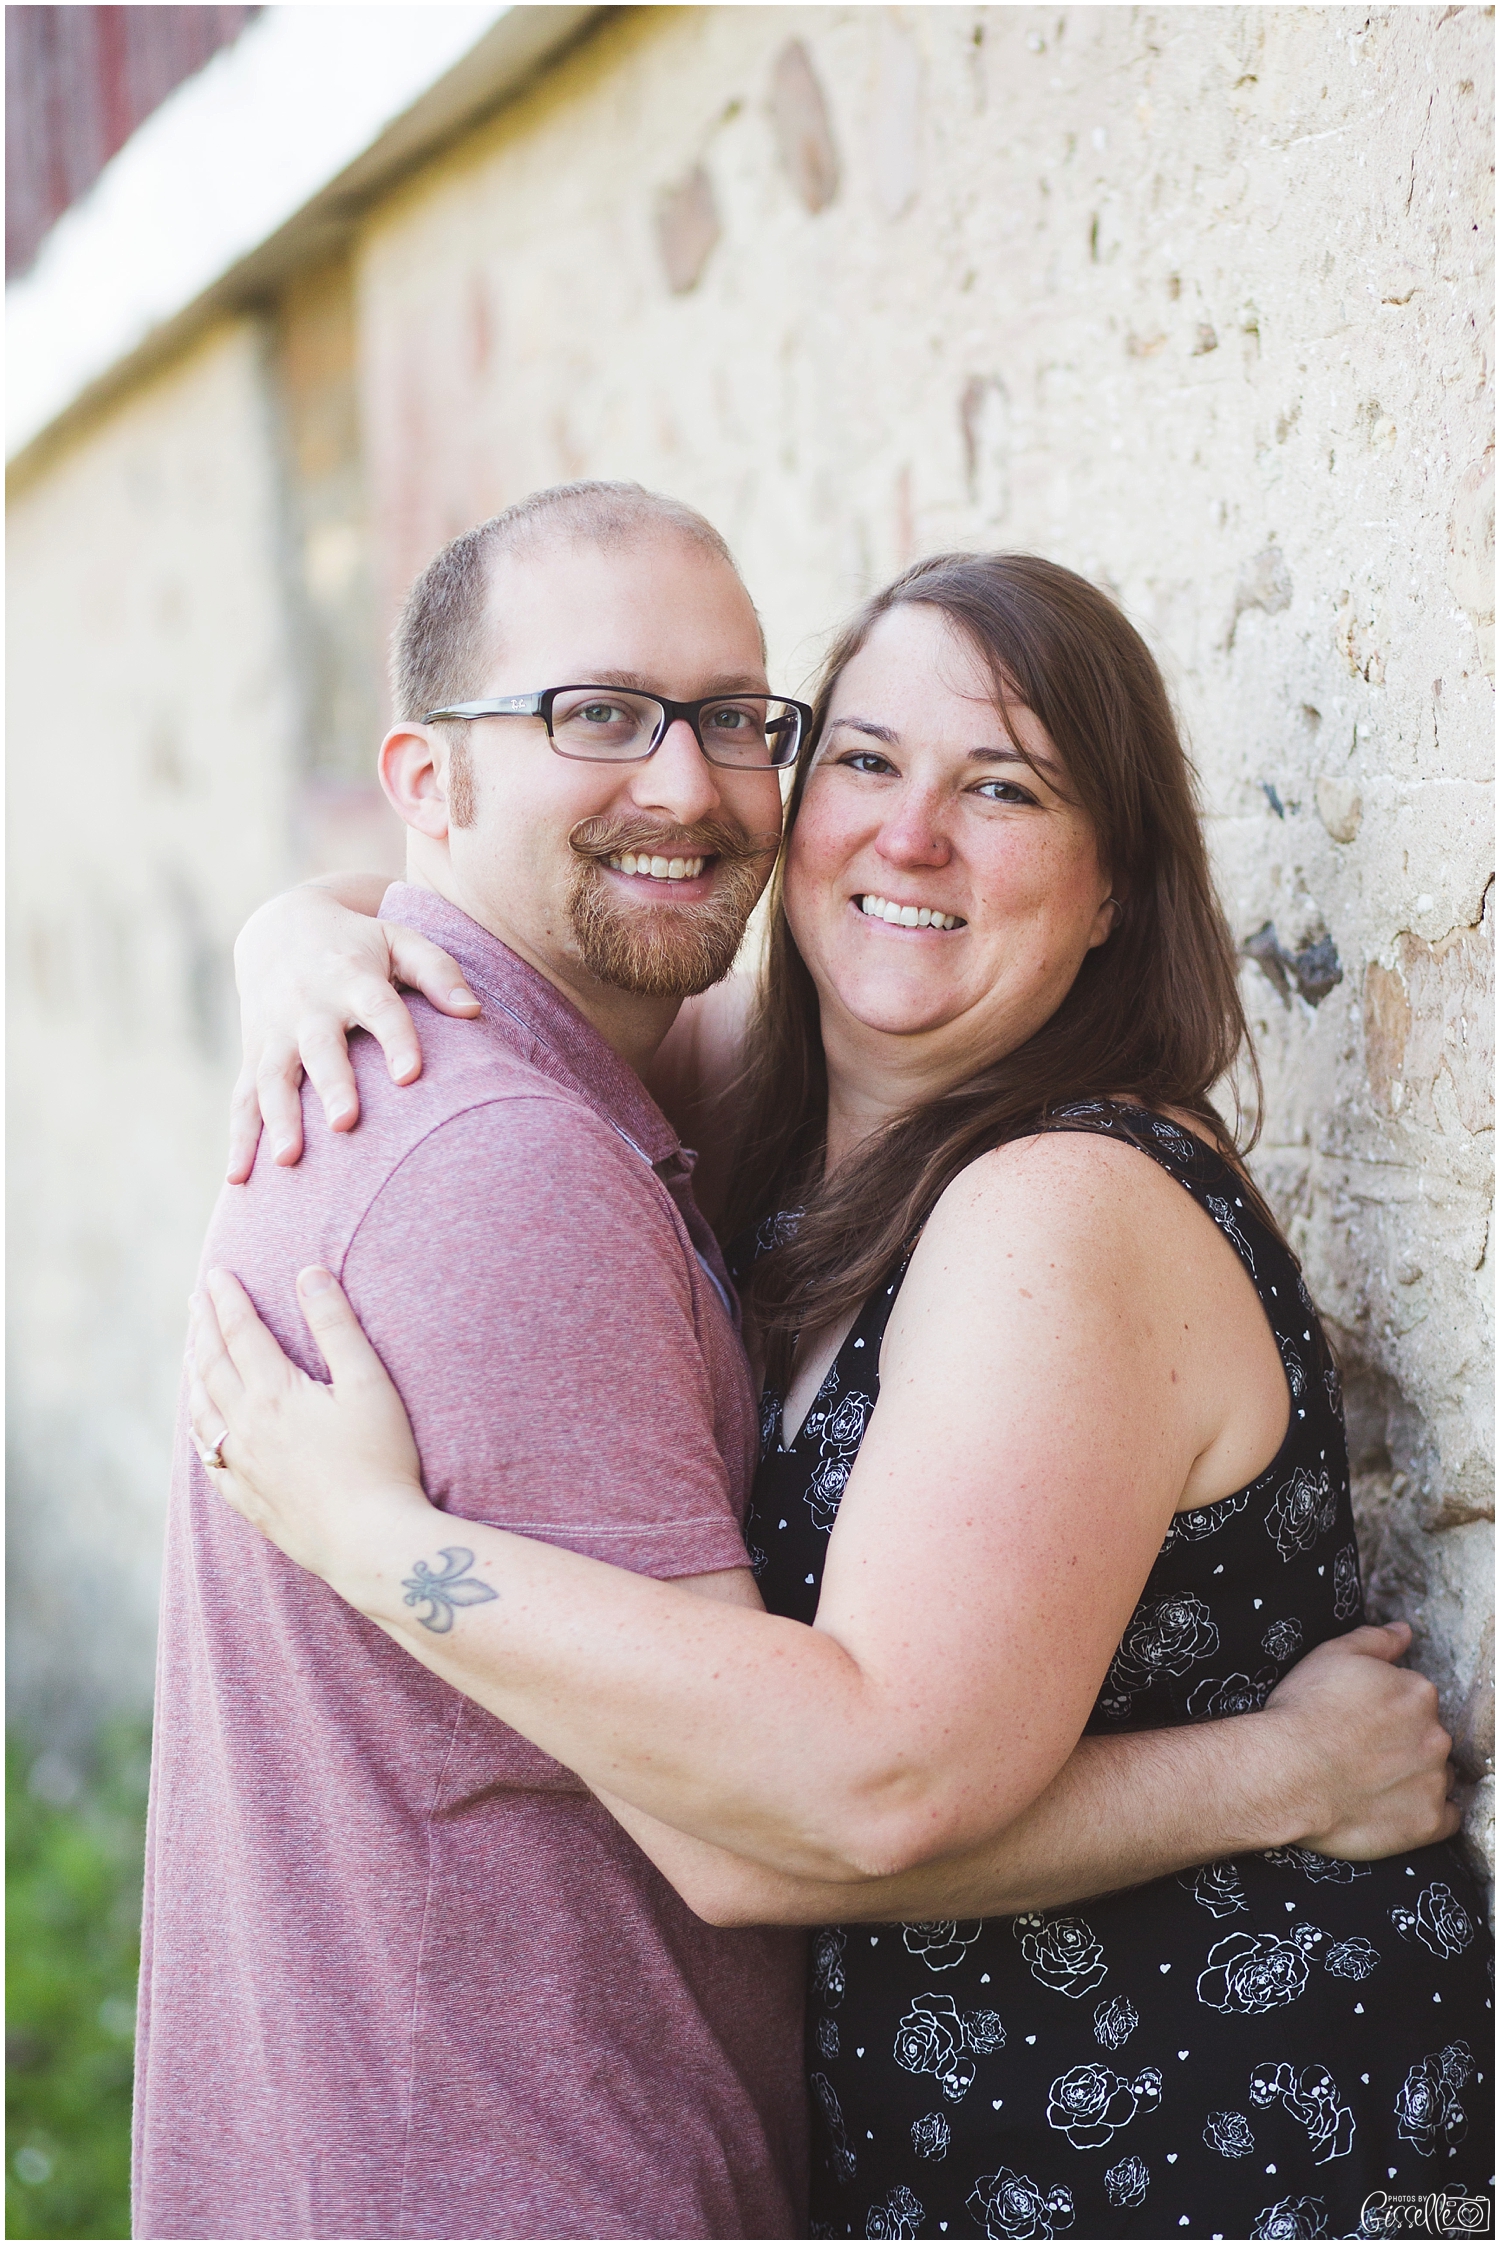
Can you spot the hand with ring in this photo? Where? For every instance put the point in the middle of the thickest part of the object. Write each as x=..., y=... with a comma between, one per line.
x=307, y=1462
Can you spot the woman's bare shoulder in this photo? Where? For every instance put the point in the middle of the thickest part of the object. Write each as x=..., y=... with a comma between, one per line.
x=1063, y=1196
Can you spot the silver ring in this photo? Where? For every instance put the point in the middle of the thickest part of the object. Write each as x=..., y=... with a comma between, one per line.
x=215, y=1456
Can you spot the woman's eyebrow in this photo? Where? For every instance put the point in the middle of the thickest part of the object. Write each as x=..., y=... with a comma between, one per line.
x=886, y=733
x=997, y=755
x=1041, y=764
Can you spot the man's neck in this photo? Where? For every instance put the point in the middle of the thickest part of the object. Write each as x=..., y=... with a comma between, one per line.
x=631, y=1025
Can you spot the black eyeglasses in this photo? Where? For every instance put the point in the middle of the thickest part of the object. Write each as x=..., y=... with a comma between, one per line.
x=605, y=725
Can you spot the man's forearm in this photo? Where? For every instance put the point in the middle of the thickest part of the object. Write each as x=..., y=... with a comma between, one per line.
x=1120, y=1811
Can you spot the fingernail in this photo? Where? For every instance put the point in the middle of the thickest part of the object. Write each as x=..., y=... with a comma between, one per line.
x=462, y=997
x=340, y=1113
x=283, y=1146
x=315, y=1281
x=403, y=1065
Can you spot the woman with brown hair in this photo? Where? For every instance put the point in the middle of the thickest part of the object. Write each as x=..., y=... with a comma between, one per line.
x=1052, y=1444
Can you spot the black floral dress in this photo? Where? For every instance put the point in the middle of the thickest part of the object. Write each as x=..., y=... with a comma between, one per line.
x=1254, y=2049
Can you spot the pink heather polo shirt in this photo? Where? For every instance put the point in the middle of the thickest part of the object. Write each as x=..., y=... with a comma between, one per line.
x=403, y=1977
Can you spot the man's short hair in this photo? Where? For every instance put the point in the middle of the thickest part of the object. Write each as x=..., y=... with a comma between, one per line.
x=439, y=648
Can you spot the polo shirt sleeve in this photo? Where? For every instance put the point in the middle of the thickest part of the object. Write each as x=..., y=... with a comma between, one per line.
x=562, y=1356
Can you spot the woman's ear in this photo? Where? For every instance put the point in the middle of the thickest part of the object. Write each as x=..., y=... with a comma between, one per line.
x=1108, y=917
x=413, y=773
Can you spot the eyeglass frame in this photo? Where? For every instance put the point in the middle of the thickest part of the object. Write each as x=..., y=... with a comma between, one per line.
x=690, y=713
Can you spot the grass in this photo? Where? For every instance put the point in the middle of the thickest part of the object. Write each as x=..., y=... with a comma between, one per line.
x=73, y=1850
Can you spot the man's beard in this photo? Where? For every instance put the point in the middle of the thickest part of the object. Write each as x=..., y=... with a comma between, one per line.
x=655, y=947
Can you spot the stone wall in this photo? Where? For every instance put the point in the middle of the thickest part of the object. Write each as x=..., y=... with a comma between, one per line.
x=1194, y=300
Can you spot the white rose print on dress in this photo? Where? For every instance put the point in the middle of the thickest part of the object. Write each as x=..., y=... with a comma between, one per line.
x=1232, y=1695
x=1354, y=1959
x=1346, y=1582
x=931, y=2137
x=1125, y=2185
x=1204, y=1520
x=940, y=1942
x=1312, y=2098
x=838, y=1433
x=1092, y=2103
x=833, y=2114
x=1252, y=1973
x=1329, y=1870
x=1296, y=1376
x=828, y=1964
x=770, y=1421
x=1115, y=2022
x=775, y=1231
x=934, y=2039
x=828, y=2036
x=1292, y=2217
x=1176, y=1142
x=1230, y=2135
x=1300, y=1512
x=1224, y=1216
x=1088, y=1110
x=1063, y=1953
x=1216, y=1888
x=1440, y=1922
x=1429, y=2111
x=1009, y=2205
x=1283, y=1640
x=898, y=2217
x=1165, y=1637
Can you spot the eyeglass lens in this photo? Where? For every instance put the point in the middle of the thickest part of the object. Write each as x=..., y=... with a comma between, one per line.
x=745, y=729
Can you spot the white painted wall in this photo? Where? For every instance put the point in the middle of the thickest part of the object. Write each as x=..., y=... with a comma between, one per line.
x=147, y=747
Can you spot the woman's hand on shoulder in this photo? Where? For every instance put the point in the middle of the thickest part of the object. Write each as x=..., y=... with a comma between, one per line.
x=1371, y=1742
x=312, y=965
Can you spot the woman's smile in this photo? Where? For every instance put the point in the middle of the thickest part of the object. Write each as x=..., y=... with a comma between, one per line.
x=942, y=883
x=893, y=915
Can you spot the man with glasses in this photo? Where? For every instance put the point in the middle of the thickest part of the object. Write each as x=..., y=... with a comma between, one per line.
x=403, y=1976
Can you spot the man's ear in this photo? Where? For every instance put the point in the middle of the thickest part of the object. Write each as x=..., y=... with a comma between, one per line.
x=414, y=773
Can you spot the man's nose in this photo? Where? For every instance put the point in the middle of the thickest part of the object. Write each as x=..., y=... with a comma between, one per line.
x=678, y=779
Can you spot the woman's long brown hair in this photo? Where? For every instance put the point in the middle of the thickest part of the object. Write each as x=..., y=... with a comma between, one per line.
x=1154, y=1014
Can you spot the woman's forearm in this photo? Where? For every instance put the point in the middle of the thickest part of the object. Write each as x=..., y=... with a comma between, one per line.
x=357, y=892
x=1120, y=1811
x=632, y=1683
x=637, y=1685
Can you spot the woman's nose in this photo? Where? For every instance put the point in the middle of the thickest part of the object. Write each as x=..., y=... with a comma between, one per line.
x=914, y=833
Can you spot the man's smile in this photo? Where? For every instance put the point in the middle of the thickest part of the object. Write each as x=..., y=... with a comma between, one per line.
x=658, y=868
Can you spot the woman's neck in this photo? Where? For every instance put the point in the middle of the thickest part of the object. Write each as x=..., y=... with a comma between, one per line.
x=872, y=1079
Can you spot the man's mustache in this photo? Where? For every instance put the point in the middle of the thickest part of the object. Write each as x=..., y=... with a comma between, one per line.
x=598, y=838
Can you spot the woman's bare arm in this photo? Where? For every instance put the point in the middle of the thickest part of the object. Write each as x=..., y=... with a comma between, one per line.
x=315, y=962
x=311, y=965
x=692, y=1080
x=1348, y=1758
x=968, y=1600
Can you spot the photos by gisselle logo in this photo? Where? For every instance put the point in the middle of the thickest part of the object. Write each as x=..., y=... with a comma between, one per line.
x=1436, y=2213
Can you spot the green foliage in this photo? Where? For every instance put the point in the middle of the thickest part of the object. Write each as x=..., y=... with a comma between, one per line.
x=73, y=1848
